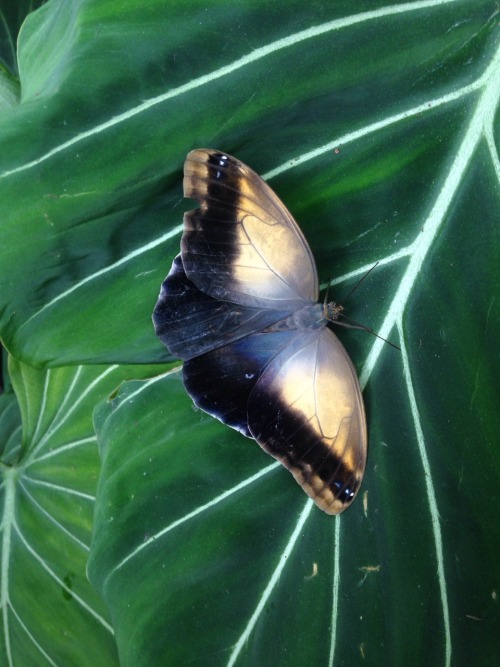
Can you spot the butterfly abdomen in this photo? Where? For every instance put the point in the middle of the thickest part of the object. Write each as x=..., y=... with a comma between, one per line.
x=308, y=318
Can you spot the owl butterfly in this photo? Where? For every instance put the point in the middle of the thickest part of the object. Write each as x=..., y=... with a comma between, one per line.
x=239, y=307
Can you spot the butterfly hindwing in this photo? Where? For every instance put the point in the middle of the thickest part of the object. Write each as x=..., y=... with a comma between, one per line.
x=190, y=322
x=220, y=381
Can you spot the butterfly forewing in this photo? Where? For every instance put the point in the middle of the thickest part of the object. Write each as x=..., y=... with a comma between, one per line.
x=317, y=425
x=241, y=243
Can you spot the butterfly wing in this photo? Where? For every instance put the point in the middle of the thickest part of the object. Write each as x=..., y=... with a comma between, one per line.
x=191, y=323
x=242, y=244
x=307, y=411
x=220, y=381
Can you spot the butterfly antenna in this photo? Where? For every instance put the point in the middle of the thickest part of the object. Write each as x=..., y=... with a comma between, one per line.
x=327, y=290
x=360, y=281
x=352, y=324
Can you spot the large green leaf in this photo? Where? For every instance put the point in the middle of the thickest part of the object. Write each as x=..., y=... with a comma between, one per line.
x=377, y=124
x=12, y=15
x=114, y=95
x=48, y=479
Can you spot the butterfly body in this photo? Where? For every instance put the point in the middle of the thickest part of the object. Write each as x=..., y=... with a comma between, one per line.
x=307, y=318
x=239, y=306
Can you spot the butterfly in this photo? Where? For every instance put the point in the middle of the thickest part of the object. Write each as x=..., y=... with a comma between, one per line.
x=239, y=307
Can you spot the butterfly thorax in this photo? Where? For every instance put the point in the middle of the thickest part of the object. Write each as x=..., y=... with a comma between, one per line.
x=307, y=318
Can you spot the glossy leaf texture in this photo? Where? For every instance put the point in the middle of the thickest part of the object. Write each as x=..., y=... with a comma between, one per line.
x=49, y=469
x=377, y=125
x=12, y=15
